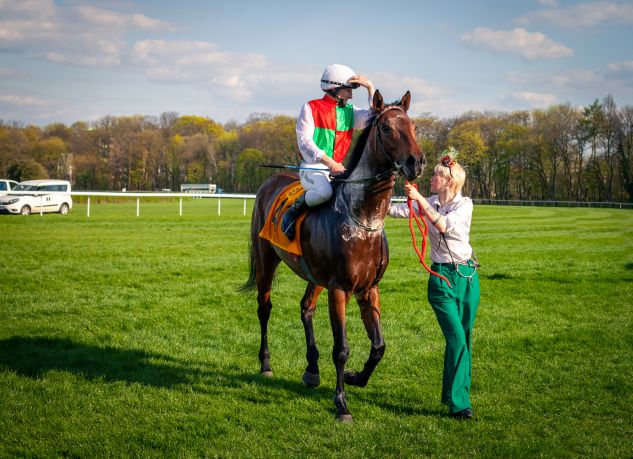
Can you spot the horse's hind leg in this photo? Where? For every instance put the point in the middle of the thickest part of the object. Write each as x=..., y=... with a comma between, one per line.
x=369, y=303
x=266, y=260
x=308, y=306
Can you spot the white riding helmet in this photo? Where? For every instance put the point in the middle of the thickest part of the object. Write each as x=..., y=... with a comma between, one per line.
x=335, y=76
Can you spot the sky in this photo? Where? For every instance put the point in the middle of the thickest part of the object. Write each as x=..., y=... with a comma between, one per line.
x=68, y=61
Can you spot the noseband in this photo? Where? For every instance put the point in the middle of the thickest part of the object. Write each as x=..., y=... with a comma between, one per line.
x=395, y=169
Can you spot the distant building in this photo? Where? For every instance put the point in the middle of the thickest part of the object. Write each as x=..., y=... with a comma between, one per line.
x=198, y=188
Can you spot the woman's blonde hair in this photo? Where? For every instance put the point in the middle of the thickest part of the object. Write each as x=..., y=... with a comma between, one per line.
x=455, y=172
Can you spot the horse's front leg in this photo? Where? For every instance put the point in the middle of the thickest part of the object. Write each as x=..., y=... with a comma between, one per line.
x=369, y=303
x=337, y=301
x=308, y=306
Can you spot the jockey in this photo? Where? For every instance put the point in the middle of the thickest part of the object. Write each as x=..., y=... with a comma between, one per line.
x=324, y=134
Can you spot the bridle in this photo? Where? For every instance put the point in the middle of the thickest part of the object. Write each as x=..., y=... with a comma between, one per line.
x=396, y=169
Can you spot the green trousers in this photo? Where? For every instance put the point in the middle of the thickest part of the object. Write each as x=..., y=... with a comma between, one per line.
x=455, y=308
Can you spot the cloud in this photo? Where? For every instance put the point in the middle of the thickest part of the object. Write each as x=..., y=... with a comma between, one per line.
x=392, y=85
x=7, y=72
x=618, y=73
x=529, y=45
x=25, y=100
x=583, y=15
x=111, y=19
x=549, y=3
x=201, y=62
x=574, y=78
x=620, y=70
x=531, y=99
x=75, y=34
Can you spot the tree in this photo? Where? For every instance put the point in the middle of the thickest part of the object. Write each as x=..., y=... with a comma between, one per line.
x=52, y=153
x=27, y=169
x=625, y=150
x=467, y=138
x=276, y=137
x=249, y=175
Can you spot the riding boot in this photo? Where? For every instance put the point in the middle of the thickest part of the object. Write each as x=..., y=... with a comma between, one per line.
x=290, y=216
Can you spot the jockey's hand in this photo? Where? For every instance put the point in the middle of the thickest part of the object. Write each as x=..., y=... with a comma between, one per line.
x=364, y=81
x=336, y=168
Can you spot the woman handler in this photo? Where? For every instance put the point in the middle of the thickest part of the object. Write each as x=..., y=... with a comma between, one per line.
x=448, y=215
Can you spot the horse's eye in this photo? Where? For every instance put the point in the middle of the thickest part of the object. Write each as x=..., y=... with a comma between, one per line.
x=386, y=129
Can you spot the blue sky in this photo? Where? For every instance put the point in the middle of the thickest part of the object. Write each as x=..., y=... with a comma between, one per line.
x=67, y=61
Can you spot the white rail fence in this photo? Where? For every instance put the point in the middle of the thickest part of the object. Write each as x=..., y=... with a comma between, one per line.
x=139, y=195
x=247, y=197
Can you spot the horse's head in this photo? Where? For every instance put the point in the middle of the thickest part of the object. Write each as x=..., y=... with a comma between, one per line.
x=395, y=136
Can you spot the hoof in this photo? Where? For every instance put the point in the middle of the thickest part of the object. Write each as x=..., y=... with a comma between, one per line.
x=311, y=380
x=352, y=378
x=267, y=374
x=345, y=418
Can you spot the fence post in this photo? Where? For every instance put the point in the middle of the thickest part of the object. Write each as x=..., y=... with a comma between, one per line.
x=181, y=206
x=138, y=206
x=244, y=206
x=88, y=207
x=219, y=207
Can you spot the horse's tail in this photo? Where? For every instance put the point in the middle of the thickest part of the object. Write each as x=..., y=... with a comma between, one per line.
x=250, y=283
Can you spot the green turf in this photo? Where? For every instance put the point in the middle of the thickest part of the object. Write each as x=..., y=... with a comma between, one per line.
x=123, y=336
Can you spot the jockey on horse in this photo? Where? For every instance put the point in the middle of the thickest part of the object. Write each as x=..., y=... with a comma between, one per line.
x=324, y=134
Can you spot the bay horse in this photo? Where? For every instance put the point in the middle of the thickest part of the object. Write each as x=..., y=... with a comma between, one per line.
x=344, y=246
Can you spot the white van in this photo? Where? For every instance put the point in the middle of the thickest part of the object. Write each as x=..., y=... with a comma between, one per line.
x=38, y=196
x=7, y=185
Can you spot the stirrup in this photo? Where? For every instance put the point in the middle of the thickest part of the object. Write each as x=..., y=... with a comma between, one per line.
x=288, y=221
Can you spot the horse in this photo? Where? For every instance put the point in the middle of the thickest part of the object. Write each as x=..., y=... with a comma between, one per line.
x=343, y=242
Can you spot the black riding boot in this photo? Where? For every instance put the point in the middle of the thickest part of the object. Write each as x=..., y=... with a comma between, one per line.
x=291, y=215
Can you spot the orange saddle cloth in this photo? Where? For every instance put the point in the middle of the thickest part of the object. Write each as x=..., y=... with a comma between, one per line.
x=272, y=228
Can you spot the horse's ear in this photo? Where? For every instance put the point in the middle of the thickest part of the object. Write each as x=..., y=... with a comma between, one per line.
x=378, y=104
x=405, y=102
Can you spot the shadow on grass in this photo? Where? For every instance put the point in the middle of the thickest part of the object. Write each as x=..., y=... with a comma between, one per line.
x=496, y=276
x=33, y=357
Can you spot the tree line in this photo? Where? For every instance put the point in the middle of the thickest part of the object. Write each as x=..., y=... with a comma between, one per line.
x=559, y=153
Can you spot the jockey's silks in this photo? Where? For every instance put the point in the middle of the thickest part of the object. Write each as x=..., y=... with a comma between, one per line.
x=333, y=127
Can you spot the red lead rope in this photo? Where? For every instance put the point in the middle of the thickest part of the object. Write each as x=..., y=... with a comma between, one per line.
x=419, y=220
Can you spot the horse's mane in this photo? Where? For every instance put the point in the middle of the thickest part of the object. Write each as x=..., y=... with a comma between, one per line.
x=359, y=147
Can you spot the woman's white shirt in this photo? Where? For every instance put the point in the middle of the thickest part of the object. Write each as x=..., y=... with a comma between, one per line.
x=458, y=215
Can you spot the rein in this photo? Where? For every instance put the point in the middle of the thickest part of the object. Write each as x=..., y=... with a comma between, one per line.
x=395, y=169
x=421, y=223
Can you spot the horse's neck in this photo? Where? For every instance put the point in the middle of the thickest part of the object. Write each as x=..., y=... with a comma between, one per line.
x=367, y=200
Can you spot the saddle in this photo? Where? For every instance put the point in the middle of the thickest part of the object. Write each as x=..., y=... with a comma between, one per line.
x=271, y=230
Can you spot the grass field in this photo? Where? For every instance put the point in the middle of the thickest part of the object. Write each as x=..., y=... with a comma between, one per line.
x=123, y=336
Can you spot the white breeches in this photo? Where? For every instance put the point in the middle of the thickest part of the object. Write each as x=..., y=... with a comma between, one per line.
x=316, y=183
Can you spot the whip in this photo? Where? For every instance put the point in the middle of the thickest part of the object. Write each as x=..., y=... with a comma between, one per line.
x=290, y=166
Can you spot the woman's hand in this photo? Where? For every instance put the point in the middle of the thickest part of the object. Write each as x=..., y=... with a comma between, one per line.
x=412, y=192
